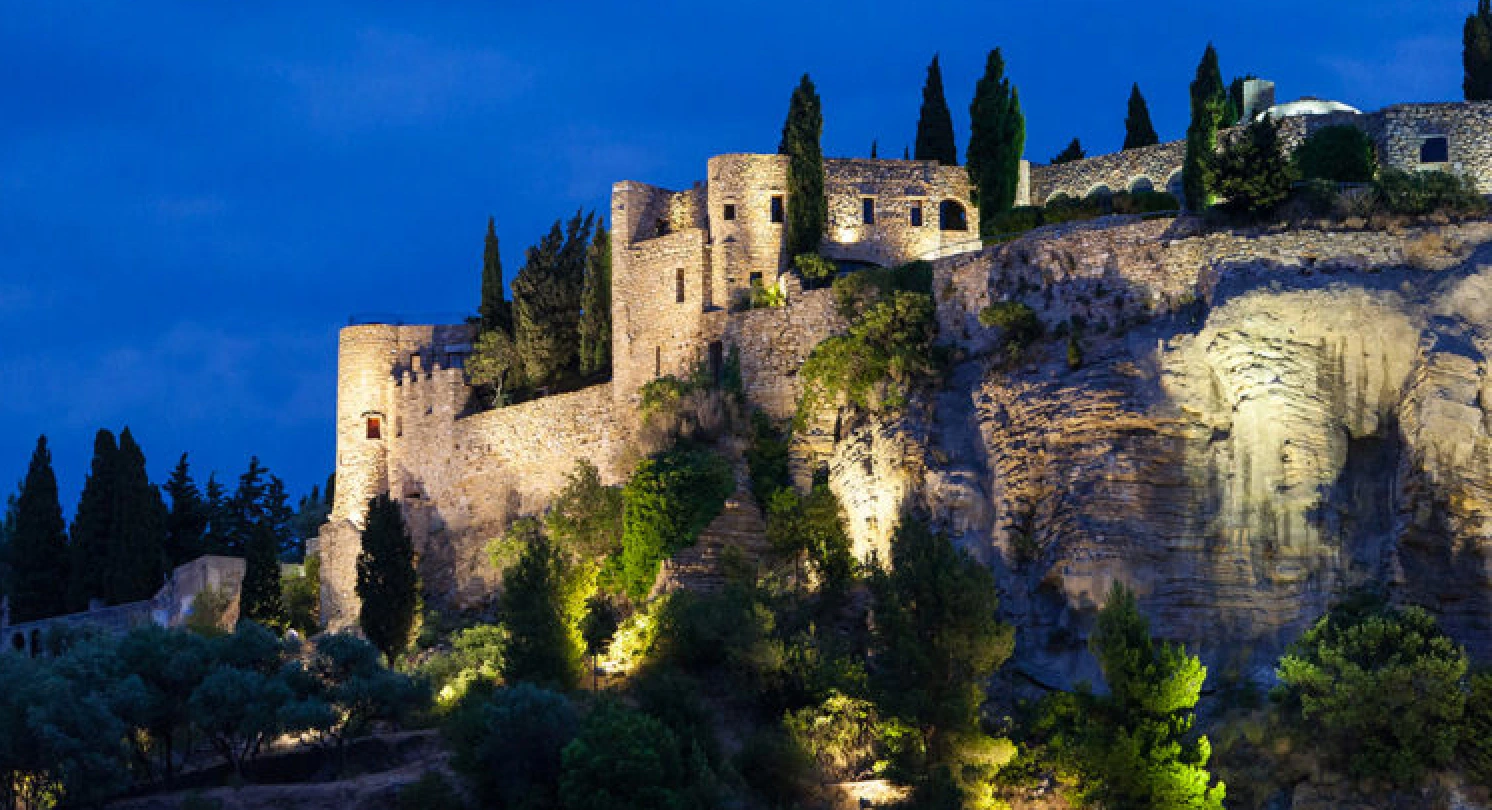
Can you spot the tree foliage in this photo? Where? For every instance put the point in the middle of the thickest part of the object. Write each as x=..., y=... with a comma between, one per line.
x=1209, y=103
x=624, y=759
x=887, y=351
x=92, y=532
x=1476, y=53
x=387, y=585
x=585, y=519
x=935, y=122
x=1138, y=131
x=508, y=745
x=495, y=365
x=808, y=208
x=1252, y=174
x=544, y=604
x=547, y=301
x=595, y=302
x=1376, y=689
x=669, y=500
x=187, y=518
x=1070, y=153
x=38, y=546
x=495, y=310
x=1341, y=154
x=997, y=140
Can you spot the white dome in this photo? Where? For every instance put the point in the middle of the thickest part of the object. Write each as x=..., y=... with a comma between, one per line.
x=1309, y=106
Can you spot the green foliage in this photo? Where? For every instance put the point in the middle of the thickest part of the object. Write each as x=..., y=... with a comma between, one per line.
x=1017, y=320
x=766, y=457
x=387, y=585
x=1138, y=131
x=432, y=791
x=808, y=208
x=92, y=532
x=1376, y=690
x=59, y=740
x=495, y=365
x=841, y=734
x=1019, y=219
x=186, y=522
x=508, y=745
x=1070, y=153
x=763, y=296
x=813, y=526
x=238, y=704
x=1475, y=755
x=495, y=310
x=815, y=269
x=474, y=660
x=38, y=544
x=259, y=596
x=1252, y=173
x=301, y=595
x=730, y=635
x=887, y=351
x=624, y=759
x=1420, y=193
x=1209, y=105
x=547, y=302
x=340, y=690
x=209, y=607
x=934, y=121
x=1074, y=351
x=1476, y=53
x=776, y=767
x=996, y=141
x=670, y=498
x=585, y=518
x=595, y=298
x=1341, y=154
x=854, y=293
x=543, y=605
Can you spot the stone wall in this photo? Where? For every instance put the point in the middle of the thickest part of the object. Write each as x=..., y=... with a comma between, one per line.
x=895, y=188
x=1159, y=165
x=653, y=332
x=773, y=343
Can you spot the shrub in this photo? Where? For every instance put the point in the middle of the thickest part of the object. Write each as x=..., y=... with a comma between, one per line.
x=873, y=367
x=815, y=269
x=1016, y=319
x=775, y=767
x=1315, y=198
x=432, y=791
x=1144, y=202
x=624, y=759
x=509, y=745
x=765, y=297
x=671, y=497
x=1476, y=729
x=1018, y=220
x=1420, y=193
x=209, y=611
x=586, y=517
x=1339, y=154
x=766, y=457
x=1376, y=690
x=1062, y=209
x=1251, y=172
x=840, y=734
x=301, y=595
x=475, y=657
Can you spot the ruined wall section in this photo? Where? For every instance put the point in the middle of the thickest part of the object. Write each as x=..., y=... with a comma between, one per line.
x=1159, y=165
x=748, y=244
x=905, y=197
x=773, y=343
x=654, y=333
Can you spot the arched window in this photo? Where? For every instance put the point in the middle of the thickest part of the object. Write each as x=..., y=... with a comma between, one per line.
x=952, y=216
x=1099, y=191
x=1141, y=185
x=1175, y=186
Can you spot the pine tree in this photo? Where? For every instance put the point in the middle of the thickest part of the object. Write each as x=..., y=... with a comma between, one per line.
x=547, y=296
x=186, y=522
x=807, y=207
x=1209, y=100
x=1138, y=131
x=276, y=512
x=495, y=310
x=93, y=526
x=935, y=123
x=244, y=510
x=259, y=597
x=595, y=317
x=1476, y=53
x=216, y=540
x=137, y=556
x=996, y=141
x=1072, y=152
x=38, y=550
x=1252, y=172
x=387, y=584
x=7, y=537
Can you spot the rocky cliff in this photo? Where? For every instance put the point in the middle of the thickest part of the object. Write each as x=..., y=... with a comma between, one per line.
x=1262, y=421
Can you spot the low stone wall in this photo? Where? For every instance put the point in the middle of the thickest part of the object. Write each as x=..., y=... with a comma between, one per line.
x=774, y=343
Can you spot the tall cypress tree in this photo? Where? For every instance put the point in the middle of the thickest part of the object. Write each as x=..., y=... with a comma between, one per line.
x=547, y=296
x=137, y=556
x=1138, y=131
x=807, y=207
x=93, y=526
x=1209, y=100
x=186, y=522
x=935, y=122
x=495, y=310
x=277, y=512
x=7, y=536
x=1476, y=53
x=387, y=584
x=996, y=141
x=1070, y=153
x=38, y=550
x=595, y=317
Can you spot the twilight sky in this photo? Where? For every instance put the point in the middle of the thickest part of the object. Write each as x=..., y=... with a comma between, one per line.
x=195, y=195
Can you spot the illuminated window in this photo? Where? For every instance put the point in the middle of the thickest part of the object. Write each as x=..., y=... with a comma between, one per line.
x=678, y=293
x=868, y=210
x=375, y=427
x=730, y=212
x=1435, y=150
x=777, y=208
x=916, y=215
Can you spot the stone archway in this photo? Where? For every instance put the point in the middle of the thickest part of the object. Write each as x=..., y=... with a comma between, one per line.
x=952, y=216
x=1141, y=185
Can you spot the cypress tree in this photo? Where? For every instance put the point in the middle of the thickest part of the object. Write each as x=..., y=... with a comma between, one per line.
x=807, y=208
x=93, y=526
x=186, y=522
x=873, y=151
x=7, y=536
x=495, y=310
x=996, y=141
x=137, y=562
x=215, y=539
x=1209, y=100
x=1138, y=131
x=935, y=122
x=386, y=581
x=259, y=597
x=276, y=511
x=1073, y=151
x=595, y=317
x=1476, y=53
x=547, y=296
x=540, y=649
x=38, y=549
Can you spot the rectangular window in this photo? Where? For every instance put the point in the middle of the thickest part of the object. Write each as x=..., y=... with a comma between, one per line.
x=679, y=286
x=729, y=213
x=777, y=208
x=755, y=279
x=1435, y=150
x=375, y=427
x=868, y=210
x=657, y=361
x=916, y=215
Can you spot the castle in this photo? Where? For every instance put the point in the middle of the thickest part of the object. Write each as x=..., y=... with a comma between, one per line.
x=684, y=263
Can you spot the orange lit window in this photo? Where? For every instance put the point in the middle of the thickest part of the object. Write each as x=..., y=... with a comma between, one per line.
x=375, y=427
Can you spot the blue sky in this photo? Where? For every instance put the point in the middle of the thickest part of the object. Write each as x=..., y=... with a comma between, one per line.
x=194, y=196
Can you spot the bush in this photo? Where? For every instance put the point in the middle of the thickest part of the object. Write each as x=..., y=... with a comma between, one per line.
x=1421, y=193
x=1018, y=220
x=1016, y=319
x=1476, y=729
x=624, y=759
x=1339, y=154
x=857, y=292
x=766, y=458
x=1062, y=209
x=586, y=517
x=1376, y=690
x=887, y=351
x=1251, y=172
x=1144, y=202
x=776, y=767
x=432, y=791
x=815, y=269
x=475, y=657
x=671, y=497
x=509, y=745
x=765, y=297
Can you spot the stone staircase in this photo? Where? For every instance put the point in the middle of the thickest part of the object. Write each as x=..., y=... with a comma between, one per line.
x=740, y=525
